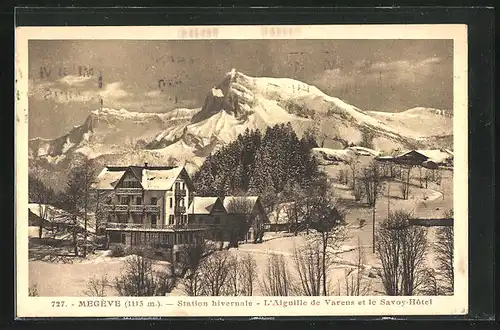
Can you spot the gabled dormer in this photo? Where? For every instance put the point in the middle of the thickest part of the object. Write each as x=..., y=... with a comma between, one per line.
x=132, y=178
x=183, y=181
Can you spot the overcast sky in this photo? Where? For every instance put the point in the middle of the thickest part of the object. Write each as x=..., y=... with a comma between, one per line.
x=381, y=75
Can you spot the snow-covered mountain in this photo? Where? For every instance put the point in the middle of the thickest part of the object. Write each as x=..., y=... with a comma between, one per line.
x=419, y=123
x=241, y=102
x=237, y=103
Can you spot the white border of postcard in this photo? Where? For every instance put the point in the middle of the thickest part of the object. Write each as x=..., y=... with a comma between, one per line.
x=221, y=306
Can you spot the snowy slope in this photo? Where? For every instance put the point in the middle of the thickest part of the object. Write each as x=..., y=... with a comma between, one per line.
x=106, y=132
x=412, y=122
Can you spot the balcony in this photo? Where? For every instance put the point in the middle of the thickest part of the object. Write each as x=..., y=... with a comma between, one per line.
x=128, y=191
x=136, y=208
x=179, y=209
x=179, y=192
x=152, y=208
x=115, y=226
x=131, y=208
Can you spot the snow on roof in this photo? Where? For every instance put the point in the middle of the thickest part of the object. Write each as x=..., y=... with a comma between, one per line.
x=35, y=209
x=436, y=155
x=202, y=205
x=340, y=154
x=49, y=213
x=152, y=178
x=106, y=180
x=409, y=152
x=160, y=179
x=364, y=151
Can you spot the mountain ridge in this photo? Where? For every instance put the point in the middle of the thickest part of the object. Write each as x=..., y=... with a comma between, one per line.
x=237, y=103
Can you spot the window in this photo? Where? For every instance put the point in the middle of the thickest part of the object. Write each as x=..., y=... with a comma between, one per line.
x=153, y=200
x=124, y=200
x=181, y=202
x=171, y=219
x=171, y=202
x=217, y=220
x=138, y=200
x=177, y=186
x=153, y=220
x=115, y=237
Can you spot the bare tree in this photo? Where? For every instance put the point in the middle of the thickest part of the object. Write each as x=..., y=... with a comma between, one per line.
x=372, y=182
x=420, y=177
x=293, y=194
x=96, y=287
x=139, y=278
x=342, y=176
x=326, y=218
x=234, y=286
x=401, y=249
x=353, y=278
x=191, y=258
x=78, y=198
x=444, y=248
x=308, y=265
x=88, y=179
x=240, y=209
x=242, y=272
x=247, y=274
x=43, y=196
x=405, y=182
x=428, y=174
x=33, y=290
x=276, y=280
x=354, y=164
x=393, y=170
x=100, y=213
x=215, y=271
x=431, y=286
x=358, y=192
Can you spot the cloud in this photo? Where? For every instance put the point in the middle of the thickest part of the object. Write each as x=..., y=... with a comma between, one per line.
x=113, y=91
x=334, y=78
x=77, y=90
x=431, y=60
x=153, y=94
x=72, y=80
x=395, y=66
x=388, y=73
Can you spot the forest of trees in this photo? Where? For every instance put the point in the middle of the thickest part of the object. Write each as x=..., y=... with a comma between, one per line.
x=259, y=164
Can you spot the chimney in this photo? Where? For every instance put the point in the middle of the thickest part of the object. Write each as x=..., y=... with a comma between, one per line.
x=145, y=164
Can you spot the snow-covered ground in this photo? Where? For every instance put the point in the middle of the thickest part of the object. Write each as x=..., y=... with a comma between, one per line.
x=59, y=278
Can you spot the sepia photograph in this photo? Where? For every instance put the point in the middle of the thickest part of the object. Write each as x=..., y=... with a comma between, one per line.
x=255, y=170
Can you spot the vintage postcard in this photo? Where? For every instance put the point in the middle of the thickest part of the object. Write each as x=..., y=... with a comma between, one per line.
x=254, y=171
